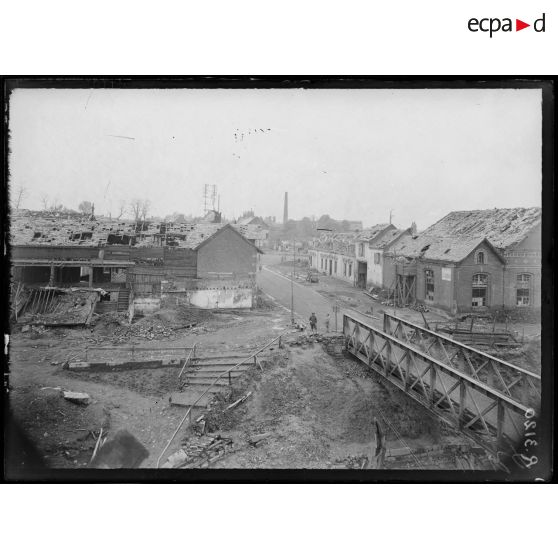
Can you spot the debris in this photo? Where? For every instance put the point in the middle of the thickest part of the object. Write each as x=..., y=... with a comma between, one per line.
x=238, y=401
x=25, y=328
x=200, y=452
x=175, y=459
x=76, y=397
x=200, y=430
x=256, y=439
x=380, y=453
x=97, y=445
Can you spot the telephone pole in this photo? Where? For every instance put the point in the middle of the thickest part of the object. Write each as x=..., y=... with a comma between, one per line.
x=292, y=285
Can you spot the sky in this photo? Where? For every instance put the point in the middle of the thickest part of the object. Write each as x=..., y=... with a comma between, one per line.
x=351, y=154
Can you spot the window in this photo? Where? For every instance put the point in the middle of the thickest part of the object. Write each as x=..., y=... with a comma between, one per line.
x=429, y=285
x=480, y=257
x=350, y=269
x=480, y=289
x=344, y=269
x=377, y=258
x=361, y=249
x=523, y=289
x=335, y=266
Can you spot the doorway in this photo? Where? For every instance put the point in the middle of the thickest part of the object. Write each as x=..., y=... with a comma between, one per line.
x=362, y=275
x=480, y=291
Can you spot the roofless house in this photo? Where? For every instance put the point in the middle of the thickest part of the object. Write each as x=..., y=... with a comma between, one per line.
x=154, y=262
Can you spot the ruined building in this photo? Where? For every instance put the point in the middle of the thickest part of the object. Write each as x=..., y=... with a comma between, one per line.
x=471, y=260
x=205, y=264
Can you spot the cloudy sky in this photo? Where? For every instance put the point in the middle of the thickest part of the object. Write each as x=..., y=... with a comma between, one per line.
x=352, y=154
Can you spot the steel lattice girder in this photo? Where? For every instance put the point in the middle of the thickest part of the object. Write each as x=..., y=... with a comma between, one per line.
x=523, y=386
x=478, y=410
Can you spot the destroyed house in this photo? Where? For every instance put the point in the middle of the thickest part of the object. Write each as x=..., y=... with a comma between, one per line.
x=350, y=256
x=63, y=257
x=376, y=252
x=470, y=261
x=334, y=254
x=368, y=255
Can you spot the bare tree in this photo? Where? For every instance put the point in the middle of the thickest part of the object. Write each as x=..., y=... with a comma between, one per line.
x=135, y=207
x=145, y=205
x=20, y=194
x=44, y=200
x=85, y=207
x=121, y=208
x=56, y=205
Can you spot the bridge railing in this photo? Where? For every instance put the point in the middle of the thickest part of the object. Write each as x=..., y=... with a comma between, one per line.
x=515, y=382
x=494, y=420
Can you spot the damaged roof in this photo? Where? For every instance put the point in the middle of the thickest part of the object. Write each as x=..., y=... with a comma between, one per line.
x=449, y=249
x=344, y=242
x=340, y=243
x=387, y=238
x=370, y=233
x=455, y=236
x=36, y=228
x=504, y=228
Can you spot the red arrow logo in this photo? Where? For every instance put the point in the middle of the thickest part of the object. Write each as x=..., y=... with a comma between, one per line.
x=519, y=25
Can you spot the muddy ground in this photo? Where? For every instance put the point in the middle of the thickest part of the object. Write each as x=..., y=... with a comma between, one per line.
x=138, y=400
x=318, y=410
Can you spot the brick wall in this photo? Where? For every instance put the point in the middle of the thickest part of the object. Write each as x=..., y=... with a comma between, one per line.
x=492, y=267
x=388, y=271
x=227, y=253
x=455, y=293
x=525, y=258
x=443, y=288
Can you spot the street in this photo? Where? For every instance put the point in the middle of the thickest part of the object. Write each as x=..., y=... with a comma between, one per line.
x=306, y=300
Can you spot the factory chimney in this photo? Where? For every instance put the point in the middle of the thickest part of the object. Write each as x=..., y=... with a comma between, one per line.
x=286, y=209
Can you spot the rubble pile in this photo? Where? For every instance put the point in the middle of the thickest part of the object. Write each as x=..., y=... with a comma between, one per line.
x=35, y=331
x=328, y=340
x=143, y=330
x=64, y=306
x=199, y=453
x=353, y=461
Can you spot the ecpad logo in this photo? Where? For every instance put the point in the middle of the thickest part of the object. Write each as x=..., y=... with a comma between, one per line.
x=493, y=25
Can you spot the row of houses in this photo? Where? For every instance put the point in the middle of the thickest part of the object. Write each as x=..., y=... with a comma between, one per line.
x=210, y=266
x=467, y=261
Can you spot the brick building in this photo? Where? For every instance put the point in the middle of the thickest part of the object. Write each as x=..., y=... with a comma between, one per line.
x=471, y=260
x=227, y=252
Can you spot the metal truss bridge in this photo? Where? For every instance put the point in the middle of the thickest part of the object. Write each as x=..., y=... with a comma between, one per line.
x=485, y=398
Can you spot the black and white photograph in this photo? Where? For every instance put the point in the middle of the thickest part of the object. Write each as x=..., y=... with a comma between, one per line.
x=273, y=278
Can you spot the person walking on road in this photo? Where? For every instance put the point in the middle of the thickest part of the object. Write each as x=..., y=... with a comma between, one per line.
x=313, y=321
x=327, y=323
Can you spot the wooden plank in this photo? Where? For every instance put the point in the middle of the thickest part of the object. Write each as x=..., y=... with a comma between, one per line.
x=188, y=398
x=208, y=381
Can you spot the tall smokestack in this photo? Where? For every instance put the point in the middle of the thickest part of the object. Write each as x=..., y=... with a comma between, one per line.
x=286, y=209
